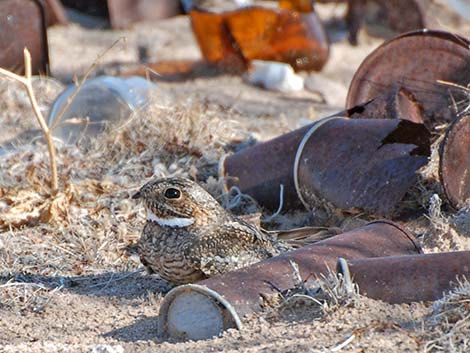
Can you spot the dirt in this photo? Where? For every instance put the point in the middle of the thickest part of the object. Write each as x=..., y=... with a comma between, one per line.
x=67, y=283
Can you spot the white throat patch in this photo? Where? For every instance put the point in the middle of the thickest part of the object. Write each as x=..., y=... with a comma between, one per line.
x=175, y=222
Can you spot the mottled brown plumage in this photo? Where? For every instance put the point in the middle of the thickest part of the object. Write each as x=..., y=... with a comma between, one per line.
x=188, y=236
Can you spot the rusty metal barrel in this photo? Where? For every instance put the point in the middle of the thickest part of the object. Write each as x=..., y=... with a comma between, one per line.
x=360, y=163
x=406, y=279
x=351, y=163
x=205, y=309
x=260, y=170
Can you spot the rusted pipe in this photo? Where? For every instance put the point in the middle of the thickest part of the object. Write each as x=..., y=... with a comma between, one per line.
x=406, y=279
x=23, y=25
x=259, y=171
x=351, y=163
x=205, y=309
x=454, y=162
x=367, y=164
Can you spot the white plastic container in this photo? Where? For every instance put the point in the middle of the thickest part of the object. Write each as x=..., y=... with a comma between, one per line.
x=101, y=101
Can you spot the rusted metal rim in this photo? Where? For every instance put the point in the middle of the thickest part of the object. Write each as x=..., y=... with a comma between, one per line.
x=298, y=155
x=342, y=268
x=454, y=162
x=186, y=305
x=405, y=61
x=407, y=234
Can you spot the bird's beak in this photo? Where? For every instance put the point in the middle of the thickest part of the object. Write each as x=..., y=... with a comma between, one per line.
x=137, y=195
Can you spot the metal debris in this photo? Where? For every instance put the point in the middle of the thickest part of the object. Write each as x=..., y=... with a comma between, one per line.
x=454, y=163
x=206, y=309
x=406, y=279
x=23, y=25
x=416, y=61
x=350, y=163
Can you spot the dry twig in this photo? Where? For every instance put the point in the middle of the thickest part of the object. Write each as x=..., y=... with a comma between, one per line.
x=82, y=81
x=27, y=83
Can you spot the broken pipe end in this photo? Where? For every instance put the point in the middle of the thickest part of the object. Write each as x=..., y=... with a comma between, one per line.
x=195, y=312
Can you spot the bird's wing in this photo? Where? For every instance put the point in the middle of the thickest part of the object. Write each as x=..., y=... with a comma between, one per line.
x=299, y=237
x=231, y=246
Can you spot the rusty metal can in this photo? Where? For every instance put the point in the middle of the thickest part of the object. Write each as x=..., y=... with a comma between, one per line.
x=384, y=18
x=23, y=25
x=406, y=279
x=366, y=164
x=351, y=163
x=417, y=61
x=55, y=12
x=260, y=170
x=205, y=309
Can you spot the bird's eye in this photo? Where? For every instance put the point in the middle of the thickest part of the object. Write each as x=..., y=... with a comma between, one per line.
x=172, y=193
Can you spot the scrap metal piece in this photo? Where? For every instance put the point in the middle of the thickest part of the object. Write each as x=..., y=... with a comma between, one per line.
x=223, y=300
x=124, y=13
x=367, y=164
x=406, y=279
x=55, y=12
x=259, y=171
x=23, y=25
x=351, y=163
x=416, y=61
x=396, y=103
x=384, y=18
x=454, y=163
x=233, y=38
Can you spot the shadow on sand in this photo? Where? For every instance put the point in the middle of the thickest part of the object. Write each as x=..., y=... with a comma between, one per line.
x=123, y=284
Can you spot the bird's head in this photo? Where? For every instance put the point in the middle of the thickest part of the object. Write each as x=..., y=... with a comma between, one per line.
x=178, y=202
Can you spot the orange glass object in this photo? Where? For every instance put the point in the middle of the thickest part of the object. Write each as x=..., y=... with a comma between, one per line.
x=256, y=33
x=297, y=5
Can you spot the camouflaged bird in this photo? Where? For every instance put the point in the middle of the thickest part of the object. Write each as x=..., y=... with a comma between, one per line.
x=188, y=236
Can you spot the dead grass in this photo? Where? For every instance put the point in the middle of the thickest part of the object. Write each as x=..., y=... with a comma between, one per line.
x=21, y=296
x=311, y=300
x=450, y=321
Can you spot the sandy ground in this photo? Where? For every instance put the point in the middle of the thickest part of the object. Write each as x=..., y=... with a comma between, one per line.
x=69, y=286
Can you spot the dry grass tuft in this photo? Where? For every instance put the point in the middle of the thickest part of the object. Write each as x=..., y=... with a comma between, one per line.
x=313, y=299
x=438, y=221
x=451, y=321
x=461, y=221
x=22, y=296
